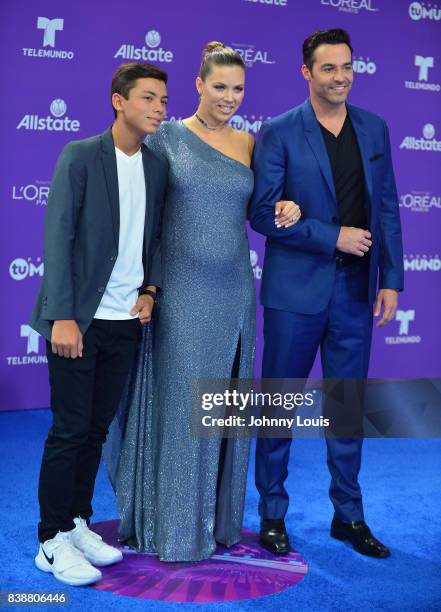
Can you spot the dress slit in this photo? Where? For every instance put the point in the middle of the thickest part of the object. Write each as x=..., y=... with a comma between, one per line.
x=225, y=470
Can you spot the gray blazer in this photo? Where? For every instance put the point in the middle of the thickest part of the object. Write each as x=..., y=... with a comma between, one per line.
x=82, y=230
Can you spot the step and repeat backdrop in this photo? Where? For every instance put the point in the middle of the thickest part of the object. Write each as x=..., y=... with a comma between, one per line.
x=58, y=59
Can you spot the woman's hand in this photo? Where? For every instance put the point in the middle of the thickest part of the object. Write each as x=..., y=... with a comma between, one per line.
x=287, y=213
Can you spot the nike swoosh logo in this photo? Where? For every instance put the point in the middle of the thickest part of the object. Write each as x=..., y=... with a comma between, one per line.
x=50, y=560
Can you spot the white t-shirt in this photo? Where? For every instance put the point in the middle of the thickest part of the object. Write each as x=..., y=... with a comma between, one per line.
x=128, y=273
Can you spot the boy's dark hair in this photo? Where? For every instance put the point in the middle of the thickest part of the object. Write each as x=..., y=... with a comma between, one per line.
x=337, y=36
x=126, y=76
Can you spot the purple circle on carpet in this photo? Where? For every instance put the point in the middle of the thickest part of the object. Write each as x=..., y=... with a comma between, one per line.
x=244, y=571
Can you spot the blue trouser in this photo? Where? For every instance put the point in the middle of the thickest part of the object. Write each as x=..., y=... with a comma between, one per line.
x=343, y=332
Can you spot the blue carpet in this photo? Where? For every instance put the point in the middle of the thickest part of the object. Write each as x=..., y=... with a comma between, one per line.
x=401, y=480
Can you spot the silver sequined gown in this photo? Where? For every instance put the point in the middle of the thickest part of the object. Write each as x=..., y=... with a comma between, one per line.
x=167, y=481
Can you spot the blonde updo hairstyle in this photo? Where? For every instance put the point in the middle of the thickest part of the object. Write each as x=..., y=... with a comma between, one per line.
x=218, y=54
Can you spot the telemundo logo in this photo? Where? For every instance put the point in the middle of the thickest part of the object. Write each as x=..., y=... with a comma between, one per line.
x=32, y=356
x=50, y=28
x=419, y=10
x=32, y=337
x=56, y=123
x=427, y=143
x=424, y=64
x=404, y=318
x=152, y=52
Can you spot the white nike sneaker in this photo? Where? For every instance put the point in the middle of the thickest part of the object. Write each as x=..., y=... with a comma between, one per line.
x=92, y=546
x=65, y=562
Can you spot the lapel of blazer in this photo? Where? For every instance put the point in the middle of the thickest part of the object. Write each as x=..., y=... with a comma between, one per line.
x=110, y=171
x=314, y=136
x=149, y=210
x=364, y=145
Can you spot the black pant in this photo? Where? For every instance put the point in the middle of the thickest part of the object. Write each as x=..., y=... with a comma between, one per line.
x=85, y=393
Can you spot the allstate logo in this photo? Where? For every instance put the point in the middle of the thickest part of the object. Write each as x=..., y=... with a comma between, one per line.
x=153, y=39
x=254, y=258
x=428, y=131
x=273, y=2
x=55, y=122
x=58, y=107
x=150, y=52
x=427, y=143
x=21, y=269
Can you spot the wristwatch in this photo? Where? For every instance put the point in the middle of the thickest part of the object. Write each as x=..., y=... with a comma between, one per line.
x=149, y=292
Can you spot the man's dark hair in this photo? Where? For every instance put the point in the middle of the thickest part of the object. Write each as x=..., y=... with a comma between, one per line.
x=323, y=37
x=126, y=76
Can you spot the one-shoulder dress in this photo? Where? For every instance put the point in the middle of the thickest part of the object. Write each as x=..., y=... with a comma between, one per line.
x=178, y=495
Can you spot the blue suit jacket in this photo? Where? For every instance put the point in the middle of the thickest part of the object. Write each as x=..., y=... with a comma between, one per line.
x=291, y=163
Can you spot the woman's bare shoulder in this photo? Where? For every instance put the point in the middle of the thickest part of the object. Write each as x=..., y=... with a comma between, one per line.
x=244, y=137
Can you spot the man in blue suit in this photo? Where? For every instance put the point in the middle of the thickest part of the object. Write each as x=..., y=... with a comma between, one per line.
x=319, y=284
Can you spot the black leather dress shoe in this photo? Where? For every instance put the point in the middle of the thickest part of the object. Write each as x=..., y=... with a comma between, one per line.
x=273, y=536
x=360, y=536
